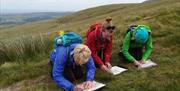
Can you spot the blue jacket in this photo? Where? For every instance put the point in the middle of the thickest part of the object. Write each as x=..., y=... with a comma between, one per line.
x=60, y=56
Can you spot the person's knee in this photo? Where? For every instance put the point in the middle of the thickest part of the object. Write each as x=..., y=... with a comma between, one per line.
x=122, y=58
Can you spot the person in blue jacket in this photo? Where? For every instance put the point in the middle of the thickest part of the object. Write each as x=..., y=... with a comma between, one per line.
x=67, y=62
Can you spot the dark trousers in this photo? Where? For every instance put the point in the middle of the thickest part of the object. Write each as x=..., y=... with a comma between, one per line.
x=137, y=53
x=101, y=56
x=71, y=72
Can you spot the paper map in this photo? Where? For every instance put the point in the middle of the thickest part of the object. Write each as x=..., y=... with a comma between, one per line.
x=115, y=70
x=148, y=63
x=97, y=85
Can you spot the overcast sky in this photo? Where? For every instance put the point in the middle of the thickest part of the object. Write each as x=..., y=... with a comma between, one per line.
x=57, y=5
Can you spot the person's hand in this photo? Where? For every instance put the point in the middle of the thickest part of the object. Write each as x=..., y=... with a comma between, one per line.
x=79, y=87
x=88, y=84
x=136, y=63
x=108, y=65
x=142, y=61
x=104, y=68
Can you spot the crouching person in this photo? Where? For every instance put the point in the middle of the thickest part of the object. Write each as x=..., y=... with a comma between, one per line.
x=99, y=40
x=137, y=45
x=67, y=66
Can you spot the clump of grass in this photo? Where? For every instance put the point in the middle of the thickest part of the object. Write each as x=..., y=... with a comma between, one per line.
x=25, y=48
x=13, y=72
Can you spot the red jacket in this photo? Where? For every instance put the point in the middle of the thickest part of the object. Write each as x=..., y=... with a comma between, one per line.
x=95, y=45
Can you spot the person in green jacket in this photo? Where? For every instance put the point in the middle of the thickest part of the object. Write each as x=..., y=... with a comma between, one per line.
x=137, y=44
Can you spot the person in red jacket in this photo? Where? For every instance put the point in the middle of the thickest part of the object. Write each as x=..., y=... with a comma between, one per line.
x=99, y=41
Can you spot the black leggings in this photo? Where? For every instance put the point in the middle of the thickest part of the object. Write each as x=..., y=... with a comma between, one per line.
x=137, y=53
x=101, y=56
x=71, y=72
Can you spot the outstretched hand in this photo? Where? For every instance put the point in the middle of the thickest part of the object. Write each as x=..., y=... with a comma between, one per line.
x=78, y=87
x=136, y=63
x=142, y=61
x=109, y=66
x=88, y=84
x=104, y=68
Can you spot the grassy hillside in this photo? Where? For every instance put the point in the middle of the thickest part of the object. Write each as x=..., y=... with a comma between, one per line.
x=24, y=49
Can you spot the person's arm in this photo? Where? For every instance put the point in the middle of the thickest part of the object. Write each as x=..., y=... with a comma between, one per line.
x=108, y=51
x=90, y=70
x=125, y=48
x=149, y=48
x=92, y=46
x=58, y=69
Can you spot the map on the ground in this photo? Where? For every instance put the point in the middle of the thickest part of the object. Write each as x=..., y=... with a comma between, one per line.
x=148, y=64
x=97, y=85
x=115, y=70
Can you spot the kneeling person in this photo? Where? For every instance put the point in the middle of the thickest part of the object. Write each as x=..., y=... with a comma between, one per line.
x=137, y=44
x=67, y=62
x=99, y=41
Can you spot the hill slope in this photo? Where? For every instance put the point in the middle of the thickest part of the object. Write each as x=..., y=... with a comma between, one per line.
x=163, y=16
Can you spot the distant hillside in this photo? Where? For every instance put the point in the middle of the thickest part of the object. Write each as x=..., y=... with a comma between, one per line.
x=10, y=20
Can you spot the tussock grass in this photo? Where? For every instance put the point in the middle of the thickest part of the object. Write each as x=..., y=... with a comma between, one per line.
x=24, y=48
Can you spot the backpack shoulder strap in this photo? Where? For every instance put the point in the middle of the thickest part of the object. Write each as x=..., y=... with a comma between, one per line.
x=100, y=27
x=131, y=29
x=68, y=62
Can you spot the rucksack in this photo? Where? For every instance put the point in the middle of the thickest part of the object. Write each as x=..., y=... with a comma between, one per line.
x=94, y=27
x=67, y=39
x=132, y=29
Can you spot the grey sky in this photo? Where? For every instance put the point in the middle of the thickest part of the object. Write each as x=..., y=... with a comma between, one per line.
x=57, y=5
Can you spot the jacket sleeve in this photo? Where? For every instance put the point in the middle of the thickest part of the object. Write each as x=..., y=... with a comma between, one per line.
x=92, y=46
x=58, y=69
x=90, y=70
x=149, y=48
x=125, y=48
x=108, y=50
x=52, y=56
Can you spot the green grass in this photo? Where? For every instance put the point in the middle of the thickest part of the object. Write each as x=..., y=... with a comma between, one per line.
x=25, y=59
x=25, y=47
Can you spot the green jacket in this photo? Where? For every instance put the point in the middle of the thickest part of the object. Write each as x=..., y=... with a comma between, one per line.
x=128, y=44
